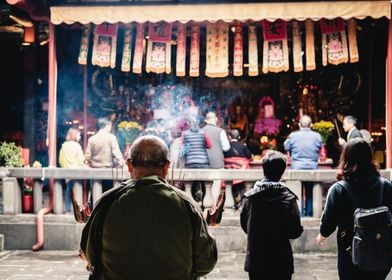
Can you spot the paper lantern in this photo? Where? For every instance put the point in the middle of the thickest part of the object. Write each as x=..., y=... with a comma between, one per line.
x=29, y=35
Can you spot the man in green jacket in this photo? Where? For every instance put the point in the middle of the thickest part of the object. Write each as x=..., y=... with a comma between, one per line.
x=146, y=228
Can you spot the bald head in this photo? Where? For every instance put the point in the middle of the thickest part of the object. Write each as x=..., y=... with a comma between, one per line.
x=211, y=118
x=149, y=152
x=305, y=121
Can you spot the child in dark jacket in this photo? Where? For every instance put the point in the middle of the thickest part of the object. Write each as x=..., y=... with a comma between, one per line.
x=270, y=216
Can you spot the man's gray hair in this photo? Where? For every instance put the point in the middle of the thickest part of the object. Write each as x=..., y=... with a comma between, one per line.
x=350, y=119
x=149, y=151
x=103, y=122
x=211, y=117
x=305, y=121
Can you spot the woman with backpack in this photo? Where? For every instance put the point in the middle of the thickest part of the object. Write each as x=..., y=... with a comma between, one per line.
x=360, y=187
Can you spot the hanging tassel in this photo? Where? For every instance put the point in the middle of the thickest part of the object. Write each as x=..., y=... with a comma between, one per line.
x=253, y=59
x=113, y=51
x=310, y=51
x=181, y=50
x=238, y=59
x=127, y=46
x=297, y=48
x=168, y=58
x=195, y=51
x=285, y=56
x=84, y=44
x=352, y=40
x=149, y=56
x=139, y=49
x=265, y=56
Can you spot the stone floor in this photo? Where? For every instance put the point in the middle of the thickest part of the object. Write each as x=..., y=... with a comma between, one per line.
x=18, y=265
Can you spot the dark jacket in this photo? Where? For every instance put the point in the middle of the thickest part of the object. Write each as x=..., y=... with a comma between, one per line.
x=238, y=149
x=339, y=210
x=270, y=217
x=147, y=229
x=354, y=134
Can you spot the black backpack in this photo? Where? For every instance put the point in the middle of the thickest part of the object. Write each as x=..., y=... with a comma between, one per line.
x=372, y=241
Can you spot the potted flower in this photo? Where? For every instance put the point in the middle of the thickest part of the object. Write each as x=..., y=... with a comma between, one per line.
x=267, y=144
x=325, y=128
x=128, y=131
x=10, y=155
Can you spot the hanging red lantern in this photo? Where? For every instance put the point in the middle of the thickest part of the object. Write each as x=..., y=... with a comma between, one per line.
x=29, y=35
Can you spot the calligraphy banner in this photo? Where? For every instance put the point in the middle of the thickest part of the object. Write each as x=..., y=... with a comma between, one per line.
x=160, y=32
x=334, y=41
x=352, y=40
x=297, y=48
x=181, y=49
x=139, y=49
x=217, y=54
x=275, y=51
x=238, y=59
x=126, y=55
x=105, y=43
x=84, y=43
x=158, y=57
x=309, y=44
x=253, y=58
x=195, y=51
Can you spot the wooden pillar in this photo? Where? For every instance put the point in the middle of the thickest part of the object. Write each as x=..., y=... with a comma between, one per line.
x=370, y=82
x=52, y=110
x=85, y=77
x=388, y=99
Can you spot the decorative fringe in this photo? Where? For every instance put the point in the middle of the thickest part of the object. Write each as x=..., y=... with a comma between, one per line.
x=334, y=39
x=297, y=48
x=158, y=55
x=105, y=43
x=352, y=40
x=238, y=59
x=84, y=44
x=217, y=54
x=252, y=49
x=195, y=51
x=127, y=46
x=310, y=51
x=181, y=50
x=275, y=51
x=139, y=49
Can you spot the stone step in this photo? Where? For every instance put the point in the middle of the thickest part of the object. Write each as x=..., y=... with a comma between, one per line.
x=63, y=233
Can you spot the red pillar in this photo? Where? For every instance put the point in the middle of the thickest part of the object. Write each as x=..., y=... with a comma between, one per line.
x=52, y=112
x=388, y=99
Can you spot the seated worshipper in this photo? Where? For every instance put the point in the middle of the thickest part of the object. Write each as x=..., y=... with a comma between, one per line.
x=147, y=229
x=237, y=158
x=194, y=151
x=270, y=217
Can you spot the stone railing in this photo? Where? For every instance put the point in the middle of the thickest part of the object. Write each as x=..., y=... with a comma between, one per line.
x=211, y=177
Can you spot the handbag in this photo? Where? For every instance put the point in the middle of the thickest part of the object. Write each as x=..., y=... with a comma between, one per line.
x=81, y=212
x=214, y=215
